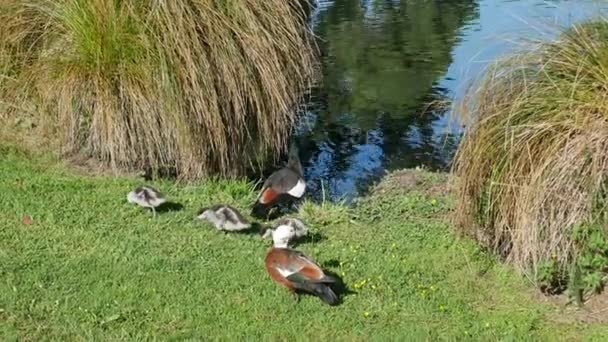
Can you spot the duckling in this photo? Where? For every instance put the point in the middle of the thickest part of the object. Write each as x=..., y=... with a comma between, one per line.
x=224, y=217
x=295, y=270
x=282, y=187
x=300, y=229
x=147, y=197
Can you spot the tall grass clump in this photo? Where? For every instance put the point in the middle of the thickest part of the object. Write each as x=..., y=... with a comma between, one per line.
x=533, y=162
x=196, y=87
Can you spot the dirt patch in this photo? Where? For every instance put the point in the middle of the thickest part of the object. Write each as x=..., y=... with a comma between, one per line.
x=595, y=309
x=441, y=189
x=406, y=180
x=87, y=166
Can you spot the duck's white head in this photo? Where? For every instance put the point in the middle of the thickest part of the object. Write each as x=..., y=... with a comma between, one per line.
x=282, y=235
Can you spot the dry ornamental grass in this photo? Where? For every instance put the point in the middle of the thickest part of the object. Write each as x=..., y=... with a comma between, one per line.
x=532, y=165
x=196, y=87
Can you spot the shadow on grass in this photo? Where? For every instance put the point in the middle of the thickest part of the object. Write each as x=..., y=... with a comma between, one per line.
x=285, y=205
x=169, y=207
x=311, y=237
x=256, y=229
x=339, y=287
x=164, y=208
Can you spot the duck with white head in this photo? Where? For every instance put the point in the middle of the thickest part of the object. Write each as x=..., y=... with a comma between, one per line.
x=295, y=270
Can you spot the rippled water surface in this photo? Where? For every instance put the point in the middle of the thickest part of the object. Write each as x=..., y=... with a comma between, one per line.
x=385, y=61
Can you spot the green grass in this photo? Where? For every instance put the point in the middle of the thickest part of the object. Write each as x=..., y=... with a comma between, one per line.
x=91, y=266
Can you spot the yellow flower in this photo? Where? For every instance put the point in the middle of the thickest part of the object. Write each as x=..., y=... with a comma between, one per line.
x=433, y=201
x=366, y=314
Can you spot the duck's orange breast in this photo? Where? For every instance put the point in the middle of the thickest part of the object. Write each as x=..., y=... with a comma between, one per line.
x=274, y=259
x=268, y=195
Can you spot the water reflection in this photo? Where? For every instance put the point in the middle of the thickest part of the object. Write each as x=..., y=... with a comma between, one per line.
x=383, y=63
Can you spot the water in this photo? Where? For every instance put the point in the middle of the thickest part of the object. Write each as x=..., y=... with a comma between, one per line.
x=383, y=62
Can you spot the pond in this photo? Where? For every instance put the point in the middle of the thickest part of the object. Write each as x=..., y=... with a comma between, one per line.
x=391, y=69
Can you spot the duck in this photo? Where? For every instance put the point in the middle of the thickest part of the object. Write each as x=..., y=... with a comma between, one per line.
x=224, y=217
x=147, y=197
x=282, y=187
x=300, y=228
x=296, y=271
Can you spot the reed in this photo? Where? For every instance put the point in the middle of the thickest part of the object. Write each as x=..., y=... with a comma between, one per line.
x=532, y=166
x=195, y=87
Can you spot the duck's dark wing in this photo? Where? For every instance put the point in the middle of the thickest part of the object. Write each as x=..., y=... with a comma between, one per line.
x=283, y=180
x=304, y=269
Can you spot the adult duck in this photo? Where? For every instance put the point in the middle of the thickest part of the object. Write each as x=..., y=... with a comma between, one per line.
x=283, y=187
x=147, y=197
x=296, y=271
x=224, y=217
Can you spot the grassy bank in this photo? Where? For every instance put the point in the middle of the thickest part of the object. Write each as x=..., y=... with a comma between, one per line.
x=532, y=165
x=92, y=266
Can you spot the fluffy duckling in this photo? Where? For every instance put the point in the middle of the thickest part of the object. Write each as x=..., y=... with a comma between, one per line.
x=147, y=197
x=282, y=187
x=300, y=228
x=224, y=217
x=296, y=271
